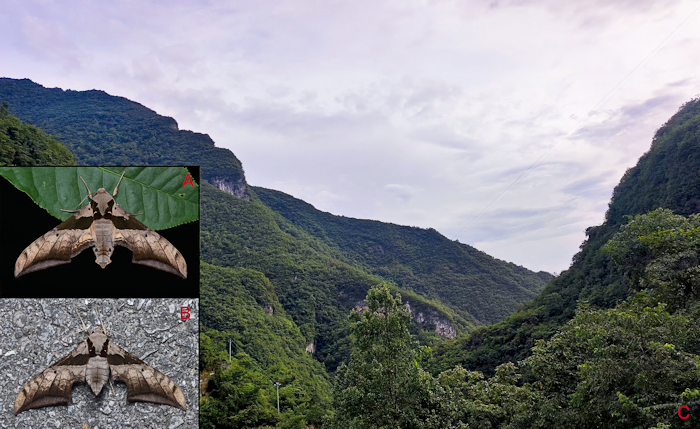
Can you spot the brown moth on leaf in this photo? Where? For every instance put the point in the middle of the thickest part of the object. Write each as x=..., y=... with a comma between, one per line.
x=92, y=362
x=101, y=224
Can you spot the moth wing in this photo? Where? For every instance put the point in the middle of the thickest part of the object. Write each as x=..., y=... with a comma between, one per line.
x=53, y=385
x=143, y=382
x=148, y=247
x=59, y=245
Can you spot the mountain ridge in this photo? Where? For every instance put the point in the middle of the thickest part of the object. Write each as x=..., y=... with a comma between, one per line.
x=86, y=121
x=105, y=129
x=380, y=246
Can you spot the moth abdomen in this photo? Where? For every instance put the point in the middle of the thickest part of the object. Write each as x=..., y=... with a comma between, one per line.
x=104, y=241
x=97, y=373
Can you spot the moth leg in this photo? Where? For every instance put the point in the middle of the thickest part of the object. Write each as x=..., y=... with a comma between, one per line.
x=79, y=204
x=116, y=333
x=112, y=386
x=77, y=330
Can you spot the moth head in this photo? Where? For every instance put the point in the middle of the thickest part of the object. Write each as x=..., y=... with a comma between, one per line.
x=97, y=343
x=102, y=204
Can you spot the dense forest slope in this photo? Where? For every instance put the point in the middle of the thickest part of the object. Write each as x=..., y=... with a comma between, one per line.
x=665, y=177
x=241, y=306
x=26, y=145
x=314, y=282
x=469, y=281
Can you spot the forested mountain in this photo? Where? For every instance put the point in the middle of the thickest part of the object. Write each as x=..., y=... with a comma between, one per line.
x=26, y=145
x=665, y=177
x=466, y=286
x=101, y=129
x=288, y=274
x=474, y=284
x=242, y=306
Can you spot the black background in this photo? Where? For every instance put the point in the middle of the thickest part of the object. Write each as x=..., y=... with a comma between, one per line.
x=22, y=222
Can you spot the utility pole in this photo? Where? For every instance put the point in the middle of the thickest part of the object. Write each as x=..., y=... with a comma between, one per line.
x=277, y=384
x=229, y=350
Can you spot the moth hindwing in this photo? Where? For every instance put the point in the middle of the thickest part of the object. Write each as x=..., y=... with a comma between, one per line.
x=101, y=224
x=92, y=362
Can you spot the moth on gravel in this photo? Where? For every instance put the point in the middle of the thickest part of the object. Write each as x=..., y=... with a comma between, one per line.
x=92, y=362
x=101, y=224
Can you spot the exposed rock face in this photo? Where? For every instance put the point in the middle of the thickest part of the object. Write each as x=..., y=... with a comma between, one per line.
x=429, y=320
x=434, y=320
x=238, y=188
x=445, y=329
x=361, y=306
x=311, y=348
x=172, y=123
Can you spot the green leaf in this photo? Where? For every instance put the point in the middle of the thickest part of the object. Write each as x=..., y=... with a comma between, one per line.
x=157, y=192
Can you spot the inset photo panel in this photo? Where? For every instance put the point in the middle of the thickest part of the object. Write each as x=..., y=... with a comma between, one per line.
x=107, y=363
x=102, y=232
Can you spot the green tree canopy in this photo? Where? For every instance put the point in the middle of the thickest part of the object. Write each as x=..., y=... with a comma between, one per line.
x=384, y=385
x=379, y=388
x=660, y=252
x=26, y=145
x=630, y=366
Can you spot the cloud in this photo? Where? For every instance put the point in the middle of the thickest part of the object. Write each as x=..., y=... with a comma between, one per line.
x=595, y=188
x=625, y=118
x=400, y=192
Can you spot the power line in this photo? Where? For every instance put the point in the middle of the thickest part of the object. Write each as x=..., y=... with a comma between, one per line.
x=255, y=362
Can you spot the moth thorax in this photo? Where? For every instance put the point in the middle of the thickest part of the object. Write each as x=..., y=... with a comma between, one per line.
x=97, y=373
x=104, y=241
x=102, y=198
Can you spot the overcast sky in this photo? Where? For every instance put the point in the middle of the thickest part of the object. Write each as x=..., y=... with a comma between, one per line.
x=419, y=113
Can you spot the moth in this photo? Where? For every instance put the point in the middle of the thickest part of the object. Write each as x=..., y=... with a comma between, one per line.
x=92, y=362
x=101, y=224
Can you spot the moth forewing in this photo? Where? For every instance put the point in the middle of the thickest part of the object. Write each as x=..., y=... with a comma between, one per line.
x=92, y=362
x=101, y=224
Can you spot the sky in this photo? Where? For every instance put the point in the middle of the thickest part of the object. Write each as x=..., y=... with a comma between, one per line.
x=502, y=124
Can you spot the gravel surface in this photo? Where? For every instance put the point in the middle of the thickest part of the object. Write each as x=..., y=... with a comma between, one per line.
x=30, y=340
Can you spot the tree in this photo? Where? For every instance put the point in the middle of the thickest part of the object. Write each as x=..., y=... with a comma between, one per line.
x=660, y=252
x=384, y=385
x=631, y=366
x=380, y=386
x=25, y=145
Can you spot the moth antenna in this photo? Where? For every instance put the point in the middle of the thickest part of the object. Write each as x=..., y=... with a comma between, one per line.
x=120, y=181
x=103, y=325
x=81, y=320
x=86, y=187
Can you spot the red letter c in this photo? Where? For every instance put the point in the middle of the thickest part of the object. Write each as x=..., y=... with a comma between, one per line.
x=687, y=416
